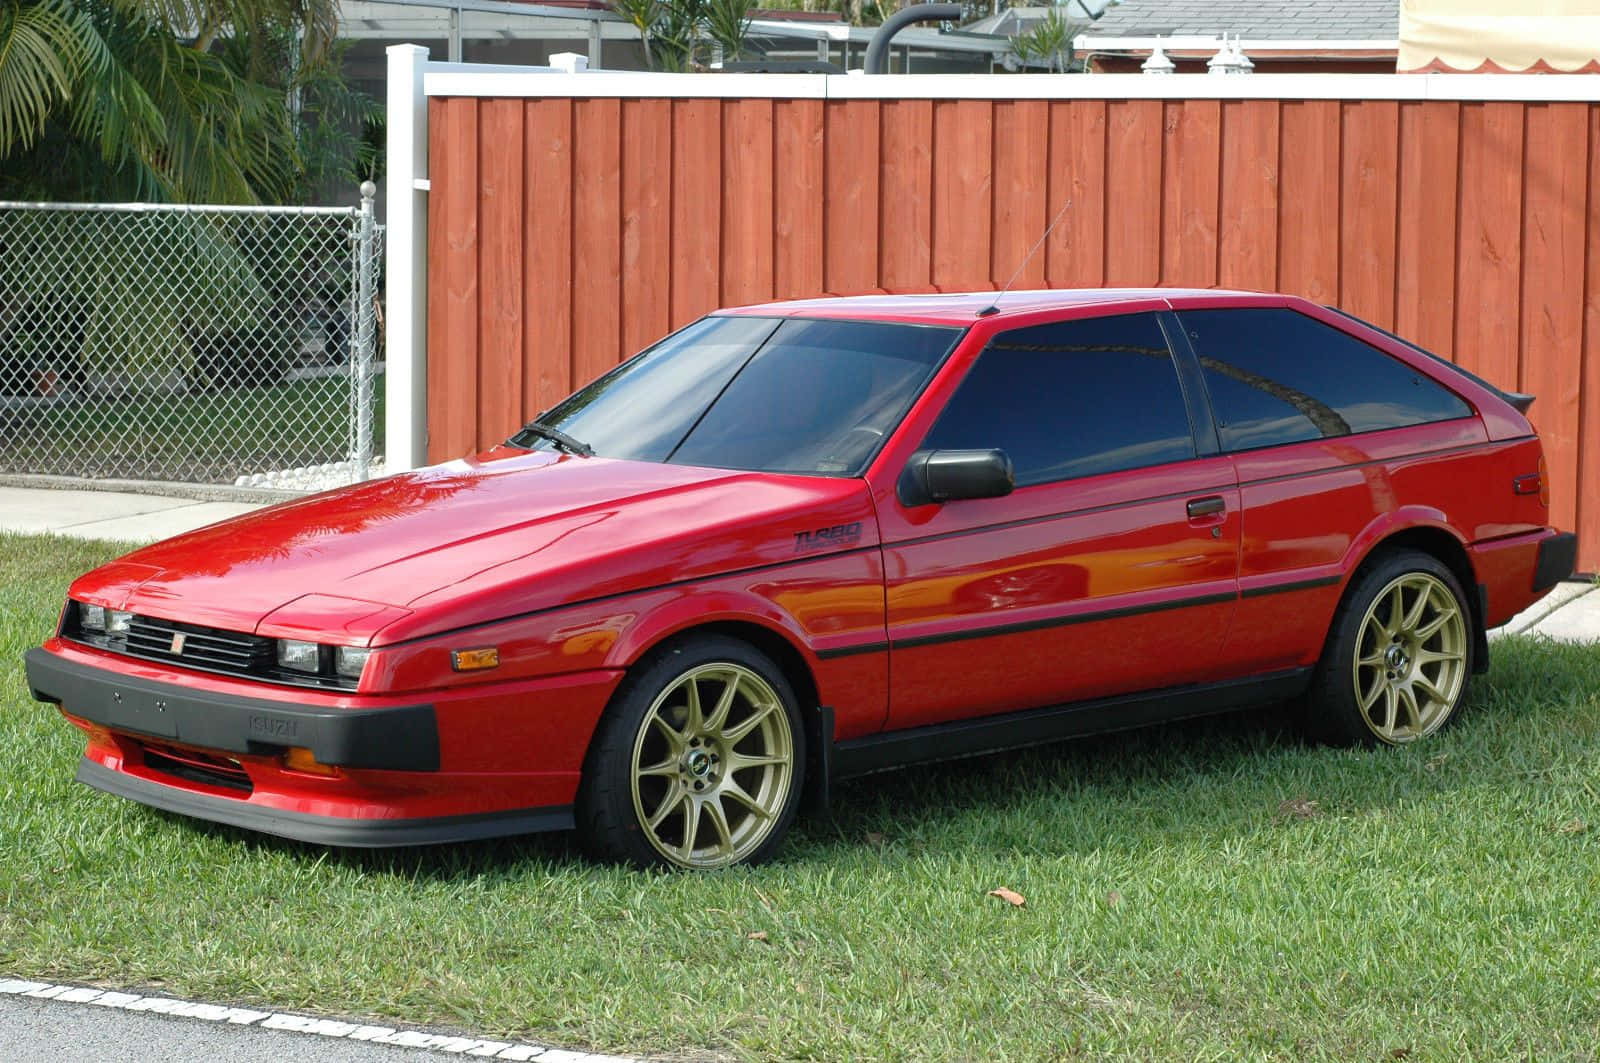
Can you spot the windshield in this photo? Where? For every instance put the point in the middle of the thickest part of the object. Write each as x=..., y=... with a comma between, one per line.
x=767, y=394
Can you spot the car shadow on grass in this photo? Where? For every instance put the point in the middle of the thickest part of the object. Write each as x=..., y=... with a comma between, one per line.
x=1219, y=777
x=1073, y=794
x=448, y=862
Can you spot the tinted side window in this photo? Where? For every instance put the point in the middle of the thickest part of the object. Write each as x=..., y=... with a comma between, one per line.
x=1072, y=398
x=1276, y=376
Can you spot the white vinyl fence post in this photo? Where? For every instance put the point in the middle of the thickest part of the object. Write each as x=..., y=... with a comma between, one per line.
x=406, y=263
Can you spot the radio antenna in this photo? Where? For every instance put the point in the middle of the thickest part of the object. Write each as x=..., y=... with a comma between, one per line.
x=994, y=307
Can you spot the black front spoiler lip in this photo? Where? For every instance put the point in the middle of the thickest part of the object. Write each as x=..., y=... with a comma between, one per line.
x=395, y=738
x=325, y=830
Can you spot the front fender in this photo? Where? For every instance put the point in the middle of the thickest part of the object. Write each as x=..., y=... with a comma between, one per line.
x=829, y=610
x=700, y=607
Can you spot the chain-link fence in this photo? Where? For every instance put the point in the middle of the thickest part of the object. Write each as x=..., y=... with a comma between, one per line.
x=227, y=345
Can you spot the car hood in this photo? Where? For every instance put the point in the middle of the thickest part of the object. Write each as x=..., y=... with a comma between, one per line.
x=476, y=540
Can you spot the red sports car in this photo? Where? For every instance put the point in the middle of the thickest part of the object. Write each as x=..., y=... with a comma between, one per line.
x=804, y=541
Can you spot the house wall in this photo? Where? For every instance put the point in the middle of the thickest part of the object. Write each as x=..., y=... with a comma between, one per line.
x=568, y=230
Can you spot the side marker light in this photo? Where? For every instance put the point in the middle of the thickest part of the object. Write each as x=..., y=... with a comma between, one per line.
x=1534, y=483
x=475, y=660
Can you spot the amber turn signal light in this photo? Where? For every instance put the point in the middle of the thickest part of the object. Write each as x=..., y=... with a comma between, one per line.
x=297, y=758
x=475, y=660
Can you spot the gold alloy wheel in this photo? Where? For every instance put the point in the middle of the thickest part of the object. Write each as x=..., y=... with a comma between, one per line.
x=1411, y=658
x=712, y=766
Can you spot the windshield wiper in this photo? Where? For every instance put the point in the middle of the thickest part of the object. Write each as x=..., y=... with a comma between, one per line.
x=556, y=436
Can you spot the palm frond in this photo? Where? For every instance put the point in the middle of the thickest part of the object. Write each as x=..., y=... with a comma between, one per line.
x=44, y=48
x=136, y=99
x=728, y=21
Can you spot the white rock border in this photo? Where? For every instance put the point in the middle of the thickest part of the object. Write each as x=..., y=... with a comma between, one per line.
x=414, y=1037
x=312, y=477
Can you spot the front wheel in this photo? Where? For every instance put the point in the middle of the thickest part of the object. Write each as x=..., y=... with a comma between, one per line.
x=1396, y=664
x=698, y=762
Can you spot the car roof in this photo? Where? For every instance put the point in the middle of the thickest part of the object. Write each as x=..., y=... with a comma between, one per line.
x=966, y=307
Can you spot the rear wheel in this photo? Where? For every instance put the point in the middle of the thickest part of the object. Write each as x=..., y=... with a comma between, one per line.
x=698, y=762
x=1398, y=657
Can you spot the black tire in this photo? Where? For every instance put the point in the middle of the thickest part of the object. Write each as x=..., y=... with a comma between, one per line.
x=701, y=767
x=1373, y=663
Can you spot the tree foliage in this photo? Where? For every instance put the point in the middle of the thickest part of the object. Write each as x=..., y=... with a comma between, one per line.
x=1048, y=43
x=218, y=101
x=680, y=34
x=855, y=12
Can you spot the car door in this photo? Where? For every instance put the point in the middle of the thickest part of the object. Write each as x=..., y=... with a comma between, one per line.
x=1111, y=567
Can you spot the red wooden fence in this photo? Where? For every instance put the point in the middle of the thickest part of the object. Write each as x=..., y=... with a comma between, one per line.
x=565, y=233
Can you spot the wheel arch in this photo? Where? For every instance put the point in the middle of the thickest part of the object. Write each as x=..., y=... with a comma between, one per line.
x=1440, y=542
x=784, y=653
x=768, y=633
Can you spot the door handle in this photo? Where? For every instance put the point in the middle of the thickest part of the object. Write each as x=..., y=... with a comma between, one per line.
x=1209, y=506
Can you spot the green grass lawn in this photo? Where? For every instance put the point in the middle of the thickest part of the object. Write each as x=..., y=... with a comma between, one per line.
x=1211, y=890
x=199, y=437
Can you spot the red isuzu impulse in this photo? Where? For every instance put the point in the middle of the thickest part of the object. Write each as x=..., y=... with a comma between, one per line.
x=799, y=542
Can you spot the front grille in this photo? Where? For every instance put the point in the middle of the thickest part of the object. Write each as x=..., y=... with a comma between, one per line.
x=200, y=647
x=223, y=772
x=205, y=649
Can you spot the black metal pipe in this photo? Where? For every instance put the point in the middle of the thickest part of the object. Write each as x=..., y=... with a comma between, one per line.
x=878, y=48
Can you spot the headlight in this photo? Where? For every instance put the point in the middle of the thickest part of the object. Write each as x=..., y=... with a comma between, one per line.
x=298, y=656
x=117, y=622
x=91, y=617
x=350, y=660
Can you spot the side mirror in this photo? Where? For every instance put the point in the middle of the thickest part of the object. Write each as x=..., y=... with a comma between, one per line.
x=950, y=475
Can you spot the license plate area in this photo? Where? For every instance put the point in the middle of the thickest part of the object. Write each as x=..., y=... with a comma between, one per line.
x=140, y=710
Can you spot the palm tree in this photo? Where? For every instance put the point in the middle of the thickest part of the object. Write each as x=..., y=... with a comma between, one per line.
x=132, y=98
x=642, y=15
x=673, y=31
x=1050, y=41
x=45, y=47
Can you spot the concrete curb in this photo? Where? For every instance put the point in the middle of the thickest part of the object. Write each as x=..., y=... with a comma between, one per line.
x=406, y=1036
x=197, y=492
x=1567, y=597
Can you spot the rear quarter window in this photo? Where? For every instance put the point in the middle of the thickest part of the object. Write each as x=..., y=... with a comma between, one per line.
x=1276, y=376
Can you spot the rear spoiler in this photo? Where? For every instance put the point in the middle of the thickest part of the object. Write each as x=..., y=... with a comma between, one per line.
x=1519, y=401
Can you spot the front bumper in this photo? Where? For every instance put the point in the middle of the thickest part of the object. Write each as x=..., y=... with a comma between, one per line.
x=398, y=738
x=387, y=787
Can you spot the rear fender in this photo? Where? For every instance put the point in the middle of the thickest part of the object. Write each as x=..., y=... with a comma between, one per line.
x=1387, y=525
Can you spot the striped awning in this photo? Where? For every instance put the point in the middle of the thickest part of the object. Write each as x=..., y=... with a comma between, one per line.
x=1500, y=36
